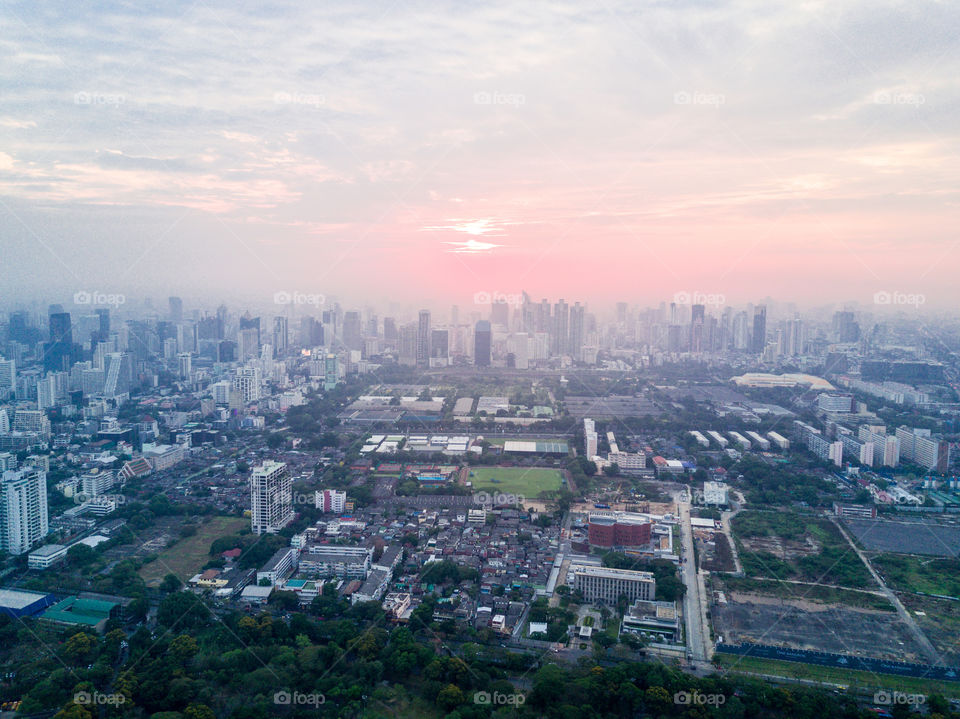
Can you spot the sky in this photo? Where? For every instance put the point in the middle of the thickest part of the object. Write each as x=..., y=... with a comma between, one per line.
x=435, y=152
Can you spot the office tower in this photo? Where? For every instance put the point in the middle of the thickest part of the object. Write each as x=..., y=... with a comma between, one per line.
x=176, y=309
x=500, y=313
x=331, y=372
x=528, y=314
x=454, y=315
x=247, y=382
x=674, y=338
x=696, y=328
x=59, y=353
x=389, y=329
x=23, y=510
x=271, y=498
x=423, y=339
x=759, y=339
x=409, y=334
x=352, y=338
x=248, y=344
x=561, y=327
x=186, y=337
x=281, y=336
x=252, y=323
x=103, y=326
x=520, y=349
x=794, y=343
x=439, y=344
x=845, y=327
x=373, y=326
x=575, y=342
x=118, y=374
x=482, y=339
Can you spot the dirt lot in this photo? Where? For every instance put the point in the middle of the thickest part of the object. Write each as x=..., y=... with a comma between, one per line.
x=782, y=548
x=939, y=619
x=814, y=626
x=915, y=537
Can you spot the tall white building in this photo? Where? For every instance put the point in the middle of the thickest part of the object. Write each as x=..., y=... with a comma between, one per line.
x=247, y=383
x=23, y=510
x=271, y=498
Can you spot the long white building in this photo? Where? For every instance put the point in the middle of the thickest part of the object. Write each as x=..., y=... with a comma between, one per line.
x=604, y=585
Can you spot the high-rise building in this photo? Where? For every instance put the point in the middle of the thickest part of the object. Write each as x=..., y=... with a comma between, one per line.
x=407, y=350
x=352, y=338
x=8, y=377
x=176, y=309
x=271, y=498
x=248, y=343
x=331, y=372
x=696, y=328
x=759, y=338
x=247, y=382
x=23, y=510
x=561, y=328
x=60, y=352
x=423, y=339
x=483, y=338
x=118, y=374
x=845, y=327
x=184, y=365
x=252, y=323
x=311, y=332
x=389, y=329
x=281, y=336
x=500, y=313
x=440, y=344
x=575, y=341
x=330, y=500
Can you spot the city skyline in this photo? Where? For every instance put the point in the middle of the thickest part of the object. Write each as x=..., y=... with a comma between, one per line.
x=484, y=149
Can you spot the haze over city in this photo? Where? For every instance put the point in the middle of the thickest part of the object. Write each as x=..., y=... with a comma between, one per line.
x=422, y=152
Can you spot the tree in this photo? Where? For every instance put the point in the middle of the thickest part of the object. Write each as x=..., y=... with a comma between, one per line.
x=184, y=648
x=450, y=697
x=171, y=583
x=79, y=647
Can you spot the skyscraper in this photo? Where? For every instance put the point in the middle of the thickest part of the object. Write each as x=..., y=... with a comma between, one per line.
x=352, y=339
x=423, y=339
x=483, y=338
x=59, y=353
x=281, y=336
x=561, y=328
x=440, y=344
x=176, y=309
x=696, y=328
x=271, y=499
x=23, y=510
x=759, y=339
x=575, y=342
x=500, y=313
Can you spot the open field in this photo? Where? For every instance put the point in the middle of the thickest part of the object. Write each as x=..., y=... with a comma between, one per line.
x=185, y=558
x=939, y=619
x=528, y=481
x=858, y=680
x=909, y=537
x=808, y=592
x=913, y=574
x=789, y=545
x=803, y=624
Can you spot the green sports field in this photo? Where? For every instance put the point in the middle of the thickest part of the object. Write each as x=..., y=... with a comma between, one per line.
x=530, y=482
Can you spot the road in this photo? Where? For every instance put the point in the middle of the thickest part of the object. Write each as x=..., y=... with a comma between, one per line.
x=929, y=652
x=698, y=635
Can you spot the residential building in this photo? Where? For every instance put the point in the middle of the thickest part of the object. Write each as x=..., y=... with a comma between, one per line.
x=271, y=499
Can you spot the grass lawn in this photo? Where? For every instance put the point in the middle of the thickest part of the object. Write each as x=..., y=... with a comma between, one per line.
x=919, y=574
x=830, y=675
x=187, y=556
x=528, y=481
